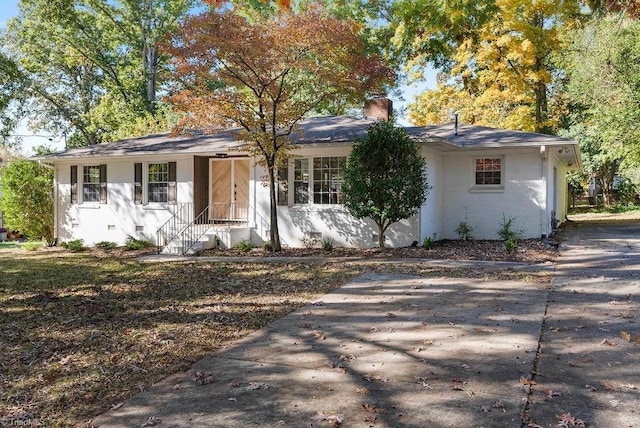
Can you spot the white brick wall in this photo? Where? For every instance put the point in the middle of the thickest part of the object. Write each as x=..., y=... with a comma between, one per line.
x=118, y=218
x=523, y=195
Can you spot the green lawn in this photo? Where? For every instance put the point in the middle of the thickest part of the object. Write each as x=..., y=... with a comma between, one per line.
x=8, y=245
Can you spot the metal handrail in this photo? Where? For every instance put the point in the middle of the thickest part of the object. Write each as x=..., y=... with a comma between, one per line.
x=189, y=234
x=182, y=214
x=229, y=212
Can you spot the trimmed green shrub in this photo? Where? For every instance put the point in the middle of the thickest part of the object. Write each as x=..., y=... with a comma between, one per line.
x=106, y=245
x=243, y=246
x=465, y=231
x=75, y=245
x=137, y=244
x=428, y=243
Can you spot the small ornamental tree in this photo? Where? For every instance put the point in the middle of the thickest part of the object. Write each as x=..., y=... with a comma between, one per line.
x=27, y=198
x=265, y=75
x=385, y=177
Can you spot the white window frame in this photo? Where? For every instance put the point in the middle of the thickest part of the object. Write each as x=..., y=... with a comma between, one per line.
x=145, y=183
x=488, y=187
x=81, y=184
x=311, y=181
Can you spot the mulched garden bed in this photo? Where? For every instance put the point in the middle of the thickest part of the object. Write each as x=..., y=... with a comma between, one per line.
x=528, y=251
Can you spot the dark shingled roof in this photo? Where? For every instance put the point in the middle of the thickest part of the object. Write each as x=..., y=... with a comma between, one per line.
x=317, y=130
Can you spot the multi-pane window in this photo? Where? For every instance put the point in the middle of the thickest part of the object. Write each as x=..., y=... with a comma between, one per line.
x=488, y=171
x=91, y=183
x=283, y=185
x=301, y=181
x=158, y=182
x=327, y=179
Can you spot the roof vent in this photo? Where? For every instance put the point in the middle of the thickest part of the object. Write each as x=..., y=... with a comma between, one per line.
x=455, y=124
x=380, y=108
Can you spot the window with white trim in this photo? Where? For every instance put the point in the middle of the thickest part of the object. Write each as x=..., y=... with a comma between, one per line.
x=321, y=184
x=301, y=181
x=91, y=183
x=488, y=171
x=158, y=182
x=88, y=183
x=327, y=179
x=283, y=185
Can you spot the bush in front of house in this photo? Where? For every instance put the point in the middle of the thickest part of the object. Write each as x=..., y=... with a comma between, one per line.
x=508, y=234
x=75, y=245
x=137, y=244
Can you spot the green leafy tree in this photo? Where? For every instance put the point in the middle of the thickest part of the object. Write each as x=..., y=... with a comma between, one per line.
x=385, y=177
x=27, y=198
x=604, y=81
x=11, y=81
x=92, y=67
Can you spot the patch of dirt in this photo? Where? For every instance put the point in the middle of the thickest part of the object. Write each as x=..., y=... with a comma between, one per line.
x=528, y=251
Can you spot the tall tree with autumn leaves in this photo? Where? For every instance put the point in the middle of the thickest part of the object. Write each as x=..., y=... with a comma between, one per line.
x=264, y=75
x=495, y=57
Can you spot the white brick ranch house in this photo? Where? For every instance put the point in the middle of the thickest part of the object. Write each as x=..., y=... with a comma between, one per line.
x=189, y=192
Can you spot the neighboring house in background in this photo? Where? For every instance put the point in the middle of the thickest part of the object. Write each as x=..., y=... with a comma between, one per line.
x=200, y=190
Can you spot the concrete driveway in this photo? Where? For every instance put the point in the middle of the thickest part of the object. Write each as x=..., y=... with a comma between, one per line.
x=404, y=351
x=589, y=365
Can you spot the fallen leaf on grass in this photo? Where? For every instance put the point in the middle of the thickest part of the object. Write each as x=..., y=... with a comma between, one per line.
x=363, y=391
x=117, y=406
x=525, y=381
x=151, y=421
x=456, y=388
x=591, y=388
x=391, y=315
x=234, y=399
x=608, y=343
x=485, y=409
x=372, y=409
x=610, y=386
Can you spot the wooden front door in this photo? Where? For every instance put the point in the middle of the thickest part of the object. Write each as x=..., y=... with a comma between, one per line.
x=229, y=190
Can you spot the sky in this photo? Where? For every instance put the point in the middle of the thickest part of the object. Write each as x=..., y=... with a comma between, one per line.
x=9, y=9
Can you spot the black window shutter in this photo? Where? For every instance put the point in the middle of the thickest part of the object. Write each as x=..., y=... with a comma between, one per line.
x=103, y=184
x=137, y=185
x=172, y=182
x=74, y=184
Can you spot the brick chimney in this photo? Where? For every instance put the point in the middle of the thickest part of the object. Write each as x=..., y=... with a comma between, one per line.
x=380, y=108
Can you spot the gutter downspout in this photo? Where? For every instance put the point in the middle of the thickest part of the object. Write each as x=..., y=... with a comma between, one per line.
x=545, y=170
